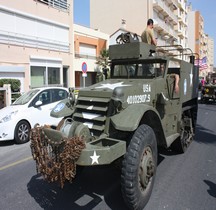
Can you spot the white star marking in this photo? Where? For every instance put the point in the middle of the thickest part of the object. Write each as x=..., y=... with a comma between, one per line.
x=89, y=116
x=191, y=77
x=90, y=107
x=112, y=86
x=90, y=125
x=95, y=158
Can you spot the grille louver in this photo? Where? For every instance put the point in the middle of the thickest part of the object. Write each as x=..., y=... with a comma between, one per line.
x=92, y=112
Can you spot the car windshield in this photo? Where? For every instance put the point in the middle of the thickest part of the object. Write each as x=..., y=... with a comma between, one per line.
x=26, y=97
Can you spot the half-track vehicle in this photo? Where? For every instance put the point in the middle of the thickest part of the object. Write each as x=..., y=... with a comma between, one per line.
x=125, y=118
x=208, y=93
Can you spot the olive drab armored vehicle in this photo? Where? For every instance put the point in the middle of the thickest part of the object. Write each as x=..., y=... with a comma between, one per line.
x=208, y=93
x=126, y=117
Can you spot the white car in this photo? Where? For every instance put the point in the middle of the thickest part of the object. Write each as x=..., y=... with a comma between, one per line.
x=29, y=109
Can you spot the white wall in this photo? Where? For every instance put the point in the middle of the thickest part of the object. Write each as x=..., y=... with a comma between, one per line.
x=22, y=28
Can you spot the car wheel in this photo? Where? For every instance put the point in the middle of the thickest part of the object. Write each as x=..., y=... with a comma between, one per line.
x=22, y=132
x=139, y=168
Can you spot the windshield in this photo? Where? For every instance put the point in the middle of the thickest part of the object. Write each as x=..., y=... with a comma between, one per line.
x=26, y=97
x=139, y=70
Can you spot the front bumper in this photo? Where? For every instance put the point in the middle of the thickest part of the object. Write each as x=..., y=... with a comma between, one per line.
x=208, y=97
x=101, y=152
x=6, y=131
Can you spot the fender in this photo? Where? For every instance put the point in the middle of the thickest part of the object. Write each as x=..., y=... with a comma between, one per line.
x=62, y=109
x=129, y=119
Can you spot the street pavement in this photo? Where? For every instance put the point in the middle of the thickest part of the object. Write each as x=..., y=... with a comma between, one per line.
x=183, y=182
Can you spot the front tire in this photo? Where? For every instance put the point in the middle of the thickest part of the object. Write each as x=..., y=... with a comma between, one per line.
x=22, y=132
x=139, y=168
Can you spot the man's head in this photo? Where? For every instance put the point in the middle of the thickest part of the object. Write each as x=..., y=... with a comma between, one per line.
x=150, y=23
x=160, y=71
x=162, y=67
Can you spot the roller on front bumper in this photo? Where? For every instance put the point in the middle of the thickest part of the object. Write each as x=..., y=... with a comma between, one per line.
x=57, y=156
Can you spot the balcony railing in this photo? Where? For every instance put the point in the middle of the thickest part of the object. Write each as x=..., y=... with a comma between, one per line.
x=58, y=4
x=88, y=56
x=160, y=5
x=10, y=38
x=174, y=3
x=161, y=25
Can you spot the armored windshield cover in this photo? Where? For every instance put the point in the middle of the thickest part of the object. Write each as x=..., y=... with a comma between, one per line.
x=131, y=50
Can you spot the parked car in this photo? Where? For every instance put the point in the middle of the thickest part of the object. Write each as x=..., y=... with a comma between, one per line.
x=29, y=109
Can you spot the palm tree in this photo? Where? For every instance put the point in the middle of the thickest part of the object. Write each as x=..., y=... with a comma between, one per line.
x=103, y=61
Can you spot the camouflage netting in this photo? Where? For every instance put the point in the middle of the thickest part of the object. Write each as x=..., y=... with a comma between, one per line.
x=55, y=160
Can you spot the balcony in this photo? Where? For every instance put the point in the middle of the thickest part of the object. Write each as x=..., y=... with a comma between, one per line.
x=181, y=18
x=161, y=7
x=181, y=33
x=58, y=4
x=161, y=27
x=173, y=3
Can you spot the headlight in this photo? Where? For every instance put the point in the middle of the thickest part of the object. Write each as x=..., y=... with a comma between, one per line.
x=118, y=98
x=8, y=117
x=118, y=94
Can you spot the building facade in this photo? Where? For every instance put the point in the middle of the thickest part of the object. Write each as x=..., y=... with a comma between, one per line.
x=36, y=42
x=170, y=17
x=88, y=44
x=210, y=53
x=200, y=42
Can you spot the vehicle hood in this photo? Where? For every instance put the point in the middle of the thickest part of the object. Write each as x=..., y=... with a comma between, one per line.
x=12, y=108
x=103, y=89
x=109, y=88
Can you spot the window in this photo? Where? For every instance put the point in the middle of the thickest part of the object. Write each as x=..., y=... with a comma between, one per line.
x=53, y=76
x=87, y=50
x=50, y=96
x=58, y=94
x=45, y=72
x=38, y=76
x=146, y=70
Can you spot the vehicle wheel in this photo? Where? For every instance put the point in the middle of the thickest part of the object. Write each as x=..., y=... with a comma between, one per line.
x=22, y=132
x=139, y=168
x=187, y=129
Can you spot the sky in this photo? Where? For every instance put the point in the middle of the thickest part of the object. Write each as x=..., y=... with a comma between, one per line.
x=82, y=12
x=207, y=9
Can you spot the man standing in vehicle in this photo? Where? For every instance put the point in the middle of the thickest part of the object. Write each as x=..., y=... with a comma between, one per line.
x=148, y=34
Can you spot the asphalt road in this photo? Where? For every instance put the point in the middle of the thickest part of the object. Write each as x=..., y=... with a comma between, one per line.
x=183, y=182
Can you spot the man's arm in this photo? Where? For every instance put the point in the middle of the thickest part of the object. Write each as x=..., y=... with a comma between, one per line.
x=153, y=40
x=177, y=83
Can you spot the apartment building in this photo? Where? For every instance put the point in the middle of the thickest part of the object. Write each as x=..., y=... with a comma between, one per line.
x=170, y=22
x=88, y=44
x=36, y=42
x=170, y=17
x=200, y=42
x=197, y=40
x=210, y=53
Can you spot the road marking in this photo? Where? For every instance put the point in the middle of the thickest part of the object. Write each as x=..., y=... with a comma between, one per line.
x=16, y=163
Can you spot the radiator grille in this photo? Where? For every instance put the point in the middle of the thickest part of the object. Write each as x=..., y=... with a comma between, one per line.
x=93, y=113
